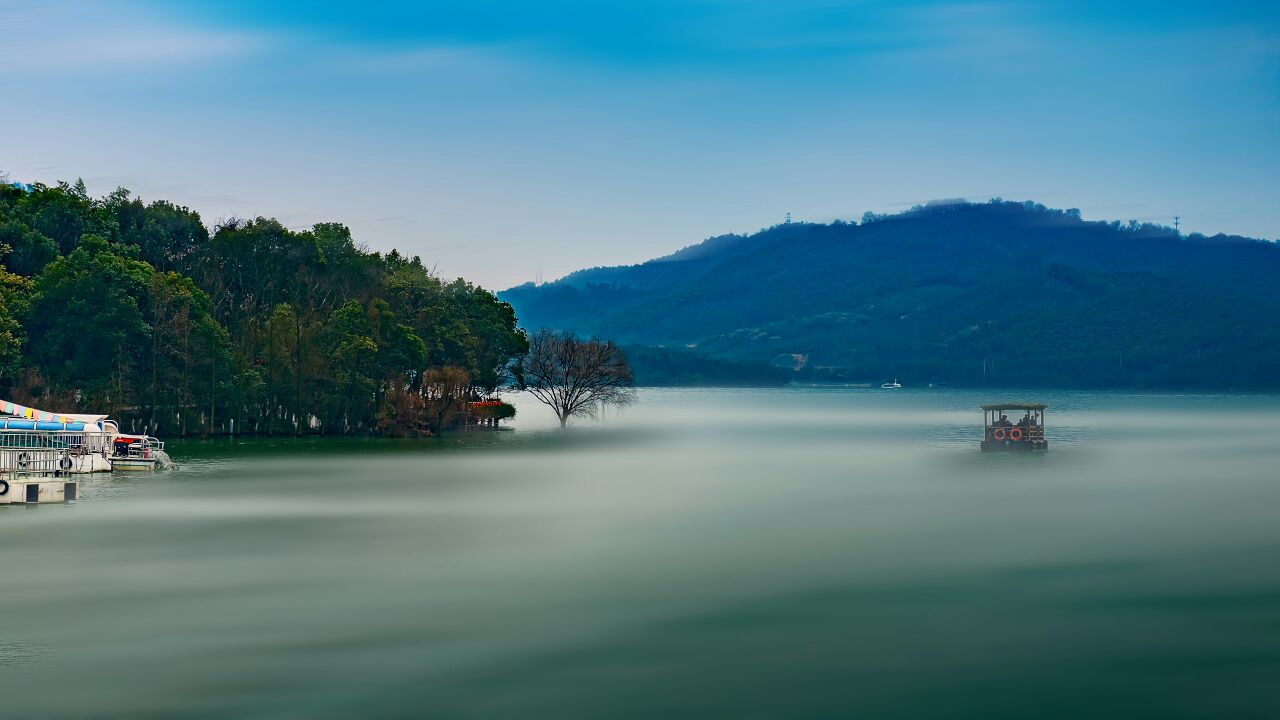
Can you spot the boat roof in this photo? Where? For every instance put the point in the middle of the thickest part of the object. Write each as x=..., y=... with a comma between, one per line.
x=1015, y=406
x=84, y=417
x=12, y=409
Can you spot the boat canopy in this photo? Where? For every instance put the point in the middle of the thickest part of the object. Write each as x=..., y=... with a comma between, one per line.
x=22, y=412
x=84, y=418
x=22, y=424
x=1014, y=406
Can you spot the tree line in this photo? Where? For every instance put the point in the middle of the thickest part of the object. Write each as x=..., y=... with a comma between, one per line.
x=141, y=311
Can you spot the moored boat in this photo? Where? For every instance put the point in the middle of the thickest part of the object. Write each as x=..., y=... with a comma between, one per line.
x=38, y=442
x=138, y=452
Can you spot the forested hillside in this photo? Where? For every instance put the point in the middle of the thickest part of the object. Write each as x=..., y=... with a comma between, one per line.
x=136, y=309
x=999, y=293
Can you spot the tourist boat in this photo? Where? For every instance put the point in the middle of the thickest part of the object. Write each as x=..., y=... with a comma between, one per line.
x=44, y=443
x=895, y=385
x=138, y=452
x=1003, y=435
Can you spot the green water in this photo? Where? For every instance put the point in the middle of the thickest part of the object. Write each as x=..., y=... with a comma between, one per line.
x=706, y=554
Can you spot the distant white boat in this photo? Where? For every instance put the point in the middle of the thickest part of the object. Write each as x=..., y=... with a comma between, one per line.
x=891, y=385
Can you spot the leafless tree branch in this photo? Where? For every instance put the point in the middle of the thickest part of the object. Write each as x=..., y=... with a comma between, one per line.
x=573, y=377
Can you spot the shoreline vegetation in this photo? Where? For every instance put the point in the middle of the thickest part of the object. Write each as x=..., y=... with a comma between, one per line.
x=142, y=312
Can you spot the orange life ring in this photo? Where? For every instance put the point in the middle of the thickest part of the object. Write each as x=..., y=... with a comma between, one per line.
x=1015, y=434
x=998, y=434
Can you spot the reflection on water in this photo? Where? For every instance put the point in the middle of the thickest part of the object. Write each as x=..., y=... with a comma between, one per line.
x=800, y=553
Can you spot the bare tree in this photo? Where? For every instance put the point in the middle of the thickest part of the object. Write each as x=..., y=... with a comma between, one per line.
x=573, y=377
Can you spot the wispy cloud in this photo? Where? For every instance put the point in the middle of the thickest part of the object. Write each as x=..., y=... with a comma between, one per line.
x=421, y=58
x=89, y=37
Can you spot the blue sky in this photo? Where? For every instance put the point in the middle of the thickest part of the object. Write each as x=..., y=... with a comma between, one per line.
x=502, y=140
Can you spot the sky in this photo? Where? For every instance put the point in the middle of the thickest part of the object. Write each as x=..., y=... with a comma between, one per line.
x=511, y=141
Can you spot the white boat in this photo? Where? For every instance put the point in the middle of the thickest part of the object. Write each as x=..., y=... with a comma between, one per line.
x=891, y=385
x=36, y=441
x=138, y=452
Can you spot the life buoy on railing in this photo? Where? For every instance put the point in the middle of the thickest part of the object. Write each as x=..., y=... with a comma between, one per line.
x=23, y=460
x=998, y=433
x=1015, y=434
x=4, y=487
x=65, y=463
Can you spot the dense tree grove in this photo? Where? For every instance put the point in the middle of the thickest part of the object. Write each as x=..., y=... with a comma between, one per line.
x=138, y=310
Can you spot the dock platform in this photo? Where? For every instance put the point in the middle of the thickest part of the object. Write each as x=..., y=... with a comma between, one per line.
x=35, y=488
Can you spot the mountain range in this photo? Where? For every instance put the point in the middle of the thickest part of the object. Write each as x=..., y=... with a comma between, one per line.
x=997, y=293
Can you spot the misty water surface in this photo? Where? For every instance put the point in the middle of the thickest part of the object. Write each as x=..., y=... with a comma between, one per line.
x=706, y=553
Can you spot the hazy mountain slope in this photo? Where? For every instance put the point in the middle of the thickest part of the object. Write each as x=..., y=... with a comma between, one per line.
x=940, y=290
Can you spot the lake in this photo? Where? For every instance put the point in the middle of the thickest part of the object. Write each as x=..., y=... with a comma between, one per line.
x=810, y=553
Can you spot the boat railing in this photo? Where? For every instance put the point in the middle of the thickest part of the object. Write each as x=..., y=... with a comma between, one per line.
x=34, y=461
x=1033, y=432
x=42, y=451
x=143, y=450
x=17, y=475
x=97, y=442
x=81, y=440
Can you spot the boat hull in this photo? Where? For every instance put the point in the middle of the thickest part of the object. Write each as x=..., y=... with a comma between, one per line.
x=92, y=463
x=133, y=464
x=1014, y=445
x=36, y=490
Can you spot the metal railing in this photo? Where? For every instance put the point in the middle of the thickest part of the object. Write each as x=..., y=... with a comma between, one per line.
x=143, y=450
x=48, y=451
x=1028, y=433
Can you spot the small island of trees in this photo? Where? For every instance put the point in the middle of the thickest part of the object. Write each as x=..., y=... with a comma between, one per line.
x=139, y=310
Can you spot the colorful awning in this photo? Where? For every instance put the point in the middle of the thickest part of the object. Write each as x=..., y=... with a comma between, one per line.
x=22, y=411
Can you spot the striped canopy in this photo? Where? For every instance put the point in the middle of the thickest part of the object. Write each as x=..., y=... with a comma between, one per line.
x=22, y=411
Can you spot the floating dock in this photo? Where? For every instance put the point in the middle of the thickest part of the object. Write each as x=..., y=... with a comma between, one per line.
x=19, y=488
x=40, y=466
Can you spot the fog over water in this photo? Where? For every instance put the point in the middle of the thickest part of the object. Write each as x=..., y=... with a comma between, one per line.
x=705, y=553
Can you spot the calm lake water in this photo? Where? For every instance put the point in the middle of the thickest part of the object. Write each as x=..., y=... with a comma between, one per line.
x=705, y=554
